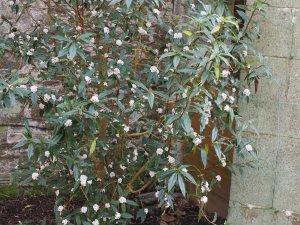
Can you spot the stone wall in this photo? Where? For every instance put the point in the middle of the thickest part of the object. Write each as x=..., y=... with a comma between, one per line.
x=275, y=186
x=12, y=120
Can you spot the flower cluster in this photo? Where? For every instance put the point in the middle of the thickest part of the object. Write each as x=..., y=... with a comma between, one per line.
x=130, y=84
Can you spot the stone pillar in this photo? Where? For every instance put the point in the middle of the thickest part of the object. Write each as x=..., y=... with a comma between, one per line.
x=275, y=186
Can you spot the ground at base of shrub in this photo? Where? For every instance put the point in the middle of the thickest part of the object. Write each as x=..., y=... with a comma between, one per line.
x=39, y=210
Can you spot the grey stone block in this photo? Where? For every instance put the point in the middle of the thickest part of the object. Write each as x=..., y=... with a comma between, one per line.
x=265, y=114
x=287, y=195
x=249, y=187
x=289, y=117
x=276, y=29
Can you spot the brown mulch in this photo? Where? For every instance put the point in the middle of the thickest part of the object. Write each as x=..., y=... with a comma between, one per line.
x=36, y=210
x=28, y=211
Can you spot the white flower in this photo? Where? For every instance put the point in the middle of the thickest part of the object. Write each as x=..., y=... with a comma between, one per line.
x=131, y=103
x=156, y=194
x=83, y=179
x=46, y=98
x=227, y=108
x=288, y=213
x=154, y=69
x=247, y=92
x=57, y=192
x=83, y=209
x=33, y=89
x=171, y=159
x=29, y=53
x=60, y=209
x=95, y=222
x=78, y=28
x=96, y=207
x=53, y=97
x=204, y=199
x=170, y=31
x=68, y=123
x=65, y=222
x=156, y=11
x=45, y=30
x=41, y=106
x=146, y=211
x=184, y=170
x=112, y=174
x=186, y=48
x=159, y=110
x=219, y=178
x=107, y=205
x=142, y=31
x=35, y=176
x=225, y=73
x=119, y=42
x=249, y=148
x=203, y=13
x=231, y=99
x=224, y=96
x=197, y=141
x=245, y=53
x=178, y=35
x=159, y=151
x=54, y=60
x=223, y=162
x=106, y=30
x=117, y=215
x=88, y=80
x=117, y=71
x=152, y=173
x=126, y=128
x=122, y=200
x=193, y=6
x=11, y=35
x=47, y=153
x=120, y=180
x=148, y=24
x=95, y=98
x=120, y=62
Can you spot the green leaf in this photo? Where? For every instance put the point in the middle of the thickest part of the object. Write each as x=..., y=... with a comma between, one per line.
x=188, y=33
x=204, y=157
x=186, y=123
x=30, y=151
x=127, y=216
x=215, y=29
x=167, y=54
x=151, y=99
x=85, y=36
x=72, y=51
x=181, y=185
x=214, y=134
x=172, y=181
x=218, y=151
x=217, y=70
x=12, y=98
x=20, y=144
x=93, y=146
x=141, y=85
x=176, y=61
x=114, y=2
x=61, y=38
x=55, y=140
x=128, y=3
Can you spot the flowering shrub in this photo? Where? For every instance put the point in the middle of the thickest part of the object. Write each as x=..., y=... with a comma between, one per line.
x=131, y=74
